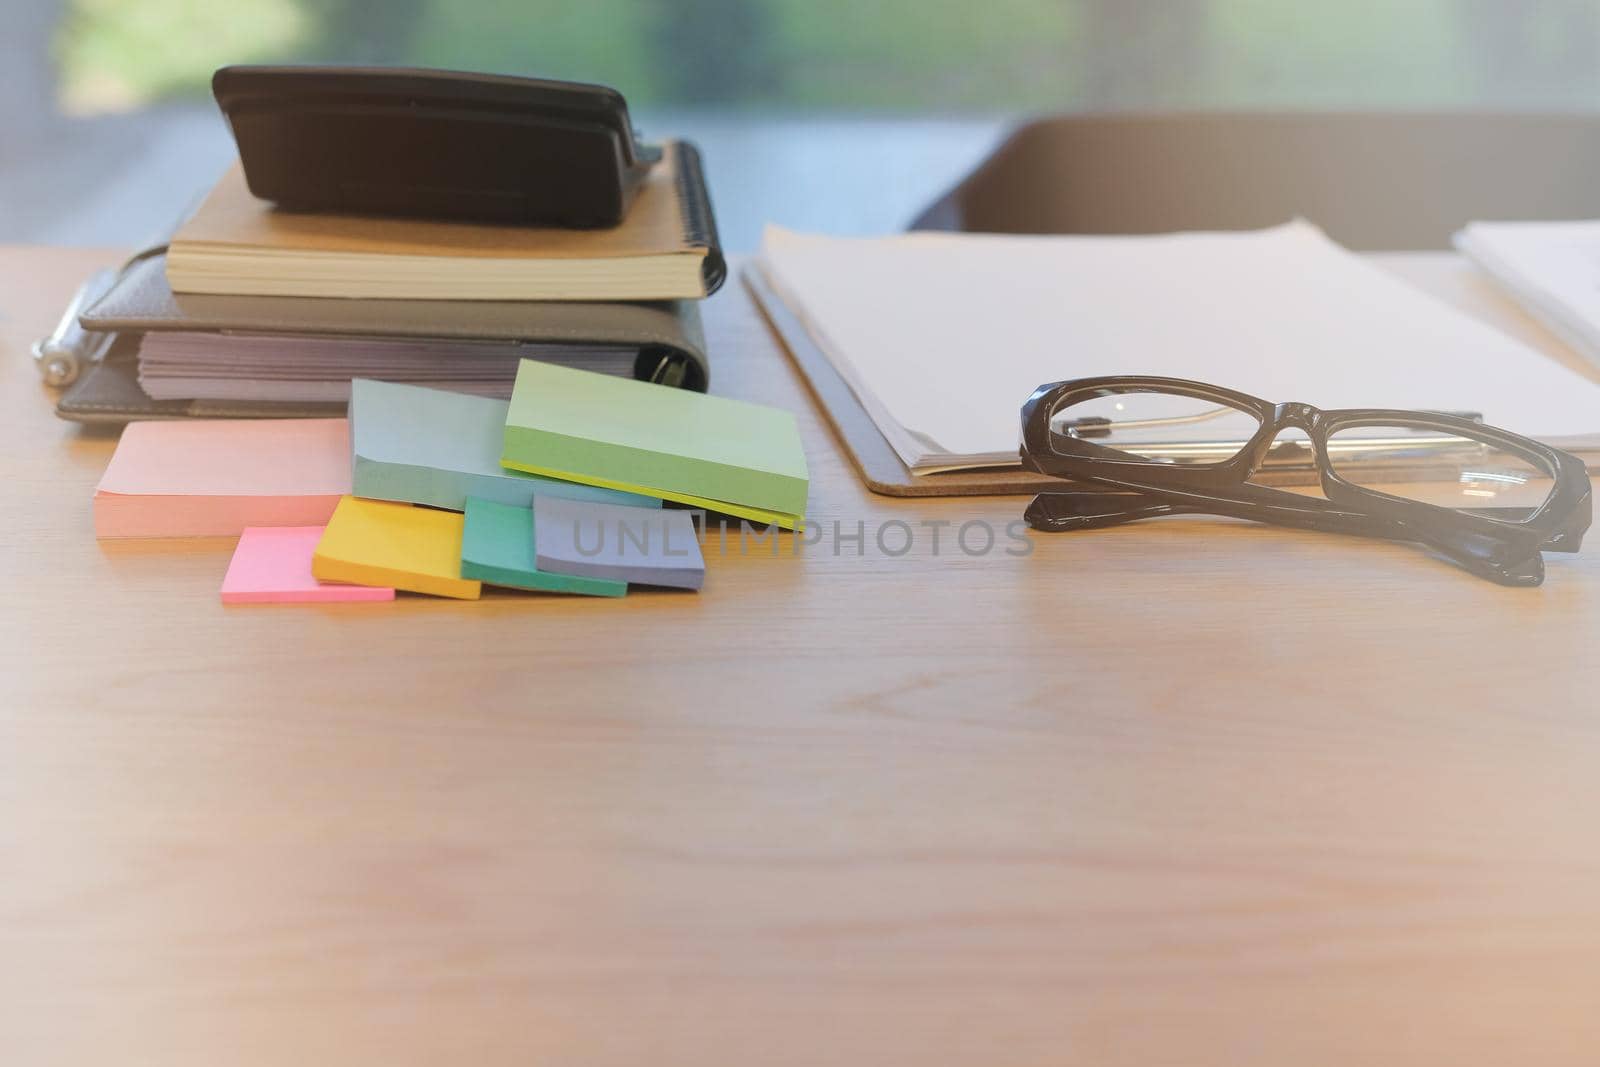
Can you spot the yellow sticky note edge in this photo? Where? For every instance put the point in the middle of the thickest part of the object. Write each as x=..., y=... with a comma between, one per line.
x=721, y=507
x=338, y=570
x=396, y=545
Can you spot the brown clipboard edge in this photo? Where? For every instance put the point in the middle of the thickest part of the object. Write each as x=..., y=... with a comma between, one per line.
x=871, y=455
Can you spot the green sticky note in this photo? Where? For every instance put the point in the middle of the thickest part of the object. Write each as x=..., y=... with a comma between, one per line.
x=497, y=547
x=723, y=455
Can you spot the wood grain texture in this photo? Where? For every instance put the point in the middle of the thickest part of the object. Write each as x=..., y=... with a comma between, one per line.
x=1191, y=792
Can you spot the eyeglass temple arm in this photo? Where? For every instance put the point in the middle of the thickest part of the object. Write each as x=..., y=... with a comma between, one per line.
x=1091, y=510
x=1098, y=509
x=1087, y=510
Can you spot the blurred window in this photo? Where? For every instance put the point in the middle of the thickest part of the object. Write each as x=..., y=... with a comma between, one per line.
x=873, y=55
x=845, y=115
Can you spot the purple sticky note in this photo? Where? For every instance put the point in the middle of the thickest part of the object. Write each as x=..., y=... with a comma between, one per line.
x=635, y=545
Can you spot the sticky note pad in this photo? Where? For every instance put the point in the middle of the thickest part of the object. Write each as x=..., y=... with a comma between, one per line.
x=712, y=452
x=430, y=446
x=497, y=547
x=272, y=565
x=214, y=477
x=374, y=542
x=626, y=544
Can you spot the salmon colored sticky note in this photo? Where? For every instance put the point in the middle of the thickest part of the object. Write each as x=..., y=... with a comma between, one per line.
x=374, y=542
x=272, y=565
x=214, y=477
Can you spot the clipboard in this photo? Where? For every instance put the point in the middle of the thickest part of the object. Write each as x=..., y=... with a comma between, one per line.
x=1288, y=466
x=874, y=460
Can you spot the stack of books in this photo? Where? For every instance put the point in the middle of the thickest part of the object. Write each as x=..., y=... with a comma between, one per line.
x=255, y=310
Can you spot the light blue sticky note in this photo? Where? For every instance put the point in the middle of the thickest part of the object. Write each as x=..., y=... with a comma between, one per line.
x=430, y=446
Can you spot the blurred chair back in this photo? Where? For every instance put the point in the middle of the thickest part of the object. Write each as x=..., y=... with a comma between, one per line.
x=1372, y=182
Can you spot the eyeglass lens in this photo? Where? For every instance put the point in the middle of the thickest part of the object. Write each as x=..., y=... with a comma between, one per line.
x=1447, y=469
x=1166, y=428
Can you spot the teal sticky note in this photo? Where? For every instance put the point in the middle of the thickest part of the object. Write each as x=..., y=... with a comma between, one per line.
x=712, y=452
x=430, y=446
x=497, y=546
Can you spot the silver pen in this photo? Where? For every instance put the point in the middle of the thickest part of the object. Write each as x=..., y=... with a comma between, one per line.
x=62, y=356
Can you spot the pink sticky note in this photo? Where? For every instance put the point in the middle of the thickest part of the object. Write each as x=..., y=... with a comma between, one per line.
x=272, y=565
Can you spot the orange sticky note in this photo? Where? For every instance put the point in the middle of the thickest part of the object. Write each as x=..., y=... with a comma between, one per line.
x=272, y=565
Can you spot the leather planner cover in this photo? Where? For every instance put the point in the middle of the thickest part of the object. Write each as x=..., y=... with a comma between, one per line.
x=141, y=302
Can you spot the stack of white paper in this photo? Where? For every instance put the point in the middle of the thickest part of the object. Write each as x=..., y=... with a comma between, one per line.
x=943, y=336
x=307, y=369
x=1551, y=268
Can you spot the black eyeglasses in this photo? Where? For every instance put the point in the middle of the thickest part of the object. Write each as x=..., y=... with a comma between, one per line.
x=1165, y=446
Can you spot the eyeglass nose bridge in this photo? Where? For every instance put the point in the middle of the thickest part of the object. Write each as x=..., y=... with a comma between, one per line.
x=1294, y=414
x=1290, y=416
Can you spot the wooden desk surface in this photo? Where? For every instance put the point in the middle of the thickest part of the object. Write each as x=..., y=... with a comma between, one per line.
x=1190, y=792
